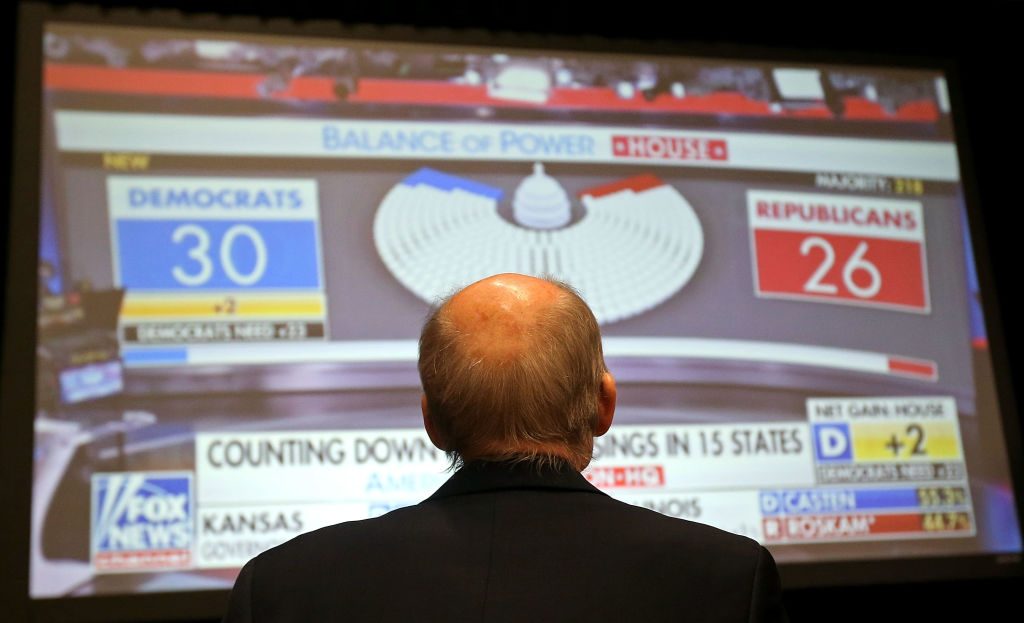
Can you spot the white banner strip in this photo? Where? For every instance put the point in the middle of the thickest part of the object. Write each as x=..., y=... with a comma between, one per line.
x=357, y=351
x=226, y=198
x=401, y=466
x=372, y=351
x=313, y=467
x=924, y=408
x=748, y=350
x=849, y=215
x=701, y=457
x=84, y=131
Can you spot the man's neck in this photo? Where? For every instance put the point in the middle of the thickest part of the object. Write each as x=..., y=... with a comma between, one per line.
x=539, y=462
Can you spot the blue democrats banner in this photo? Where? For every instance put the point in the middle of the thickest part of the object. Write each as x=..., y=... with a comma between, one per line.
x=217, y=254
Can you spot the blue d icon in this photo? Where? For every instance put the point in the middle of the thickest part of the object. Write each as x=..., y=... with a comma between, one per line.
x=832, y=442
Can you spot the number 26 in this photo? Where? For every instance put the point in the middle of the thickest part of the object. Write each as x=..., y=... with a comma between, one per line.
x=855, y=263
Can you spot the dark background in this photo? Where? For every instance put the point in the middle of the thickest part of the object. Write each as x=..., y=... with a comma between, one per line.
x=982, y=40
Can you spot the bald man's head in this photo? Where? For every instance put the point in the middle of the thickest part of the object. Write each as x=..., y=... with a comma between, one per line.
x=497, y=318
x=512, y=369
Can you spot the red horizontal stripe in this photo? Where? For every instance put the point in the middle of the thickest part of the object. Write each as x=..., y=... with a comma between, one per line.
x=865, y=109
x=95, y=79
x=913, y=367
x=135, y=559
x=195, y=83
x=378, y=91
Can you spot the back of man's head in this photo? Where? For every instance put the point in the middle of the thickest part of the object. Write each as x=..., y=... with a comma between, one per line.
x=512, y=369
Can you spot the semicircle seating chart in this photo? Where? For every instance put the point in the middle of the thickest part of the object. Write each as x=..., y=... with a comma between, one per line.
x=638, y=243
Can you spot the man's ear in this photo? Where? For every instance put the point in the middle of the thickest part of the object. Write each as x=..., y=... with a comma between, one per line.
x=428, y=425
x=605, y=404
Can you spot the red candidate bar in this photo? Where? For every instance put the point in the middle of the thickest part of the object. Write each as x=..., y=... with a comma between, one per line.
x=859, y=526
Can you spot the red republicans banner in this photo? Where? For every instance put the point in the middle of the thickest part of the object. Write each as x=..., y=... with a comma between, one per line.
x=839, y=249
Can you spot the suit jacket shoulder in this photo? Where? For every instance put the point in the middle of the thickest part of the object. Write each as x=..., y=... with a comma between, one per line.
x=500, y=543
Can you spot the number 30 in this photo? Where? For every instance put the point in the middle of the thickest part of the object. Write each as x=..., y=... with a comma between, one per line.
x=200, y=253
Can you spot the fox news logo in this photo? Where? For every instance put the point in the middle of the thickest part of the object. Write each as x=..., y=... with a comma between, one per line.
x=142, y=521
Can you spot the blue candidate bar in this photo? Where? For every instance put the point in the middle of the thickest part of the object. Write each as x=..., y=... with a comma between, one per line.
x=804, y=501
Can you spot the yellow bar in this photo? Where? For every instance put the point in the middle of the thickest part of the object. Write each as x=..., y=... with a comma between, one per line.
x=900, y=441
x=223, y=307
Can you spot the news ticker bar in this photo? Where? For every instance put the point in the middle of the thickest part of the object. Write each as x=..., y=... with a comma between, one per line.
x=204, y=135
x=759, y=480
x=253, y=490
x=232, y=468
x=915, y=436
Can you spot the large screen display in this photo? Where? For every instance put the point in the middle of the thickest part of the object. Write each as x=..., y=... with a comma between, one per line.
x=240, y=237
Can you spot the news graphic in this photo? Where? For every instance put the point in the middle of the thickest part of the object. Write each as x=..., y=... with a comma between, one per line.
x=900, y=465
x=212, y=260
x=886, y=440
x=731, y=476
x=839, y=249
x=865, y=513
x=142, y=521
x=240, y=239
x=635, y=245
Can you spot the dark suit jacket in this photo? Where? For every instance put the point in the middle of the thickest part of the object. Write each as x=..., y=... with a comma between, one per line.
x=512, y=543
